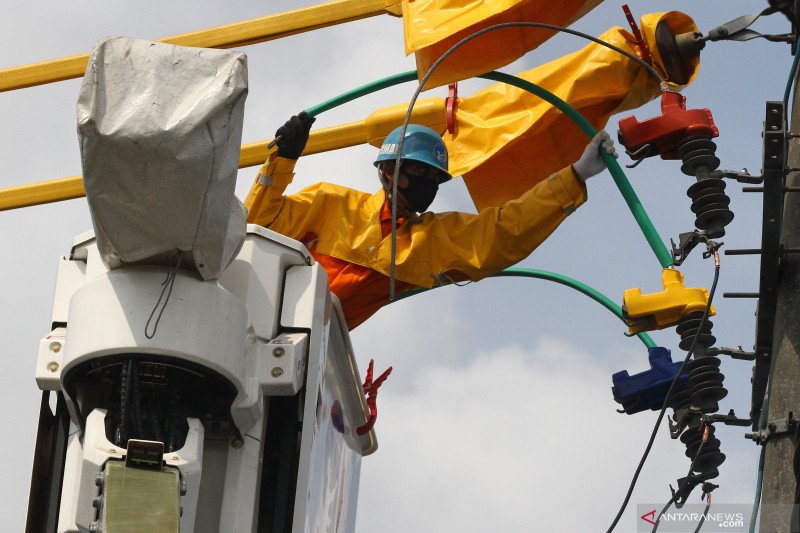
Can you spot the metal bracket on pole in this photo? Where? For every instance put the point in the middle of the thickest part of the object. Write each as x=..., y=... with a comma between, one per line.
x=777, y=429
x=774, y=164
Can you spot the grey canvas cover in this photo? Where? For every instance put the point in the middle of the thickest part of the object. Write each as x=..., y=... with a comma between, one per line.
x=160, y=130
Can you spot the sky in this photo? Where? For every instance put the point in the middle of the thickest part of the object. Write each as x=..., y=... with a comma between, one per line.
x=499, y=414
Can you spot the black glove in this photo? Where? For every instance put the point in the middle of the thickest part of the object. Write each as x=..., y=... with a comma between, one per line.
x=292, y=137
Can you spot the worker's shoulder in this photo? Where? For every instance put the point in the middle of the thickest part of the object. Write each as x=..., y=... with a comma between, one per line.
x=334, y=190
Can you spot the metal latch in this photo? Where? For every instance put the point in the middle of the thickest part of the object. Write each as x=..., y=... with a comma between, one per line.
x=144, y=454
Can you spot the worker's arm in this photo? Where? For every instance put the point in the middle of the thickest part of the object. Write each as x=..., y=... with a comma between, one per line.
x=464, y=246
x=265, y=199
x=476, y=246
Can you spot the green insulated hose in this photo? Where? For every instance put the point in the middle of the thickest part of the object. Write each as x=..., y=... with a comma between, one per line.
x=561, y=279
x=364, y=90
x=624, y=186
x=650, y=234
x=592, y=293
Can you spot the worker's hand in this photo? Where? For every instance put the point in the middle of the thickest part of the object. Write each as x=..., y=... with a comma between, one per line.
x=292, y=137
x=591, y=163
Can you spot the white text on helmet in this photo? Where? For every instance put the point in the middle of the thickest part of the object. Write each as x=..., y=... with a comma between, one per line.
x=389, y=148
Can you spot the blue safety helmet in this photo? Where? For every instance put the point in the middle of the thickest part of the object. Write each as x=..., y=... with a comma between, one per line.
x=420, y=144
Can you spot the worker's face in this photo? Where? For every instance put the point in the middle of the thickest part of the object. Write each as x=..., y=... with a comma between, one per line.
x=417, y=184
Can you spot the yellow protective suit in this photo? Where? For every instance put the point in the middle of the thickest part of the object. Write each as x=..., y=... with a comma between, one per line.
x=431, y=27
x=508, y=139
x=459, y=245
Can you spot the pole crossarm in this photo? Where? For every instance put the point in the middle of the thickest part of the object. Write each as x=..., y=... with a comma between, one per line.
x=243, y=33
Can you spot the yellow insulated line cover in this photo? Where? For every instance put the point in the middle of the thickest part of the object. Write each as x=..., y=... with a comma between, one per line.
x=228, y=36
x=433, y=26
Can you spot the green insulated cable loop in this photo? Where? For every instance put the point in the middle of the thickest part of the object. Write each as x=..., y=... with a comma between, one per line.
x=561, y=279
x=592, y=293
x=364, y=90
x=650, y=234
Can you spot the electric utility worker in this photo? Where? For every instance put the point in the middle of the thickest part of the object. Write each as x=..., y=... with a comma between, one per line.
x=349, y=232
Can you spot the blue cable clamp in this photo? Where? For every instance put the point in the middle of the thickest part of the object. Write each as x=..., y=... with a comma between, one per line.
x=647, y=390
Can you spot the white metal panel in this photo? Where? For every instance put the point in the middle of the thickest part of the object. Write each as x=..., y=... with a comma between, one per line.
x=256, y=276
x=189, y=461
x=282, y=364
x=49, y=360
x=71, y=275
x=331, y=451
x=239, y=510
x=306, y=298
x=70, y=486
x=201, y=323
x=86, y=252
x=84, y=462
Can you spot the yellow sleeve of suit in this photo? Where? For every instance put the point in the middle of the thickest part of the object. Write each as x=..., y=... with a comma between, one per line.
x=478, y=246
x=461, y=245
x=265, y=199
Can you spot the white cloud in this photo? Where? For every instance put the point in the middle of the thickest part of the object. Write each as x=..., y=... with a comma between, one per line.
x=518, y=440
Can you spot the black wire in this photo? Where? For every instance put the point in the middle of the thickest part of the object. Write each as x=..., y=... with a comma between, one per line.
x=155, y=424
x=705, y=513
x=677, y=493
x=664, y=510
x=666, y=400
x=124, y=395
x=166, y=287
x=138, y=418
x=553, y=27
x=172, y=433
x=427, y=76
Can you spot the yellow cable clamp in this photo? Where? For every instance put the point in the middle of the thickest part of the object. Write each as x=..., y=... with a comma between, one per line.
x=659, y=310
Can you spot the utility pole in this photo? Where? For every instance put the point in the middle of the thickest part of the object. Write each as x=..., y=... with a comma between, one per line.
x=780, y=480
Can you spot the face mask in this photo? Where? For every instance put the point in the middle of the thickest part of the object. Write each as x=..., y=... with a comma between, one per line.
x=420, y=192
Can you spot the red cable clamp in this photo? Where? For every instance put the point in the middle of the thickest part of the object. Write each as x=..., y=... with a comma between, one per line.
x=371, y=391
x=451, y=103
x=662, y=135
